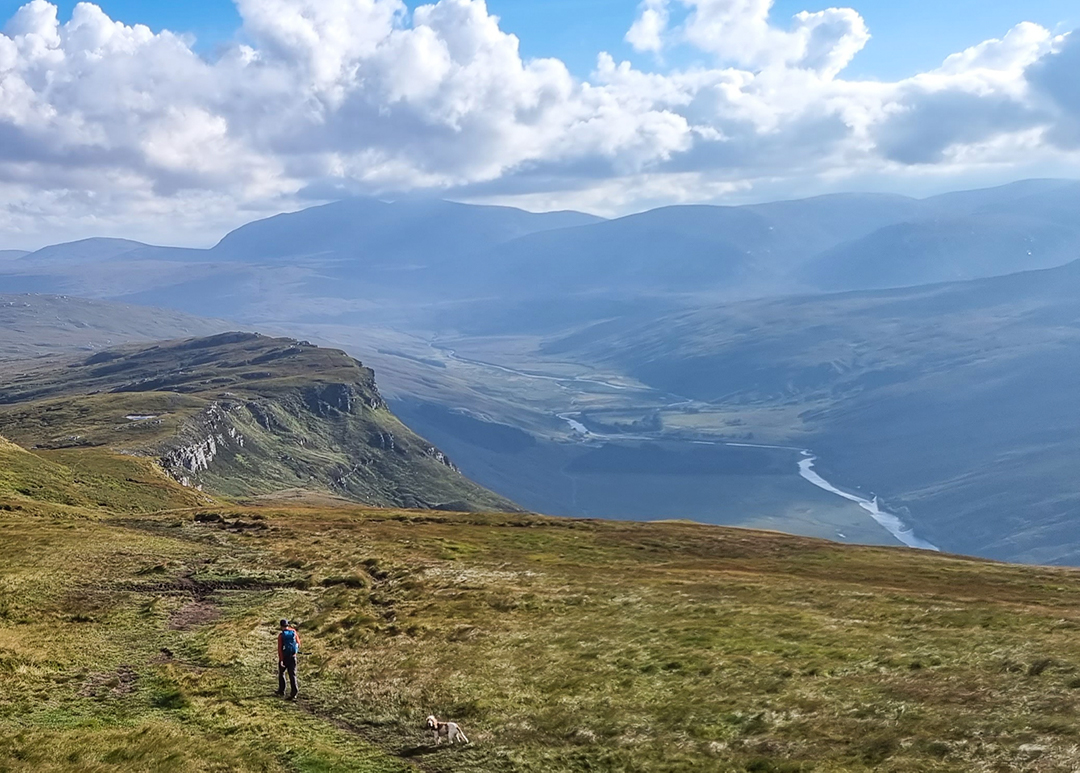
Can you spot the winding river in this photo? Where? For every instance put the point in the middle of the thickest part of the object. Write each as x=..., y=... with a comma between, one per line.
x=891, y=522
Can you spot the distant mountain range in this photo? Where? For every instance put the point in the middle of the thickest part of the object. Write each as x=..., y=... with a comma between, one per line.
x=365, y=258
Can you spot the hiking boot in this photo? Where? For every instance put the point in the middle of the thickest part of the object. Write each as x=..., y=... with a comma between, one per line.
x=292, y=697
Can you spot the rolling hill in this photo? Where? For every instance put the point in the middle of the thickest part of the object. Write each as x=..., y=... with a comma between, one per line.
x=236, y=414
x=37, y=325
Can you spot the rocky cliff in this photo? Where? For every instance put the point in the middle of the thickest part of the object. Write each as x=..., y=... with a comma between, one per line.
x=240, y=415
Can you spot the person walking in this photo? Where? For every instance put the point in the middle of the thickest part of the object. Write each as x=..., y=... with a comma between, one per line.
x=288, y=645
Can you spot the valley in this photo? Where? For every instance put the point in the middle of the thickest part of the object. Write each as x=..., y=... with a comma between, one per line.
x=170, y=487
x=504, y=386
x=495, y=329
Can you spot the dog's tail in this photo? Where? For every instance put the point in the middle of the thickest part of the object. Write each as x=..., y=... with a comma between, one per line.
x=462, y=734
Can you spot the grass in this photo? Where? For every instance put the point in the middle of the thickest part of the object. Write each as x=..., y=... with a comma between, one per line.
x=145, y=641
x=87, y=480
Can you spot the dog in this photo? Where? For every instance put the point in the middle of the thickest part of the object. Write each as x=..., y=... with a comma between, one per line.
x=450, y=730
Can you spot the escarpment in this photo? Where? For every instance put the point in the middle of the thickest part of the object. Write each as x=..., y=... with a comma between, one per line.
x=240, y=415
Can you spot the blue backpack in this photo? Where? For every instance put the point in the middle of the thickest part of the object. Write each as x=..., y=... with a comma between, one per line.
x=288, y=642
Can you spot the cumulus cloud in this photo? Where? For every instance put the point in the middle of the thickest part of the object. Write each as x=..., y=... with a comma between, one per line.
x=647, y=31
x=741, y=32
x=1055, y=79
x=110, y=127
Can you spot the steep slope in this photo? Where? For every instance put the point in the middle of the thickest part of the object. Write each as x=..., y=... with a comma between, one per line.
x=94, y=481
x=238, y=414
x=953, y=401
x=34, y=325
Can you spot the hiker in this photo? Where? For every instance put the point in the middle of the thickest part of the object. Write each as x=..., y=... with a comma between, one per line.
x=288, y=644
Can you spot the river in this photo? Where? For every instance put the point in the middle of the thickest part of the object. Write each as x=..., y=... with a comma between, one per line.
x=891, y=522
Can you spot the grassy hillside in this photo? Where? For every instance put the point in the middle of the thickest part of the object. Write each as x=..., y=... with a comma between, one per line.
x=35, y=325
x=236, y=414
x=145, y=642
x=86, y=480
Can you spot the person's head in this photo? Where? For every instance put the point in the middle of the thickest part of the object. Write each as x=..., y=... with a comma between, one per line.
x=284, y=623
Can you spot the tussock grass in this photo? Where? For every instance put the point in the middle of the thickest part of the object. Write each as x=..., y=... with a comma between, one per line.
x=559, y=645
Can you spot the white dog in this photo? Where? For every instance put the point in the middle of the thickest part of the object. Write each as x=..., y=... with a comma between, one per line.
x=450, y=730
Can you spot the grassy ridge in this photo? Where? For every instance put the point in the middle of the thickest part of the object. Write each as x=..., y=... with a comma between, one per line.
x=88, y=479
x=142, y=641
x=240, y=415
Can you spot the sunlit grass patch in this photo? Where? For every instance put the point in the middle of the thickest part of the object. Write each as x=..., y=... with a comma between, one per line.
x=559, y=645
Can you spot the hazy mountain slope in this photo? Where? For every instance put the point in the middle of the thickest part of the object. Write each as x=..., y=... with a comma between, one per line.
x=33, y=325
x=975, y=246
x=395, y=262
x=85, y=250
x=108, y=269
x=688, y=249
x=676, y=249
x=967, y=235
x=369, y=232
x=953, y=400
x=239, y=414
x=12, y=254
x=822, y=221
x=1000, y=197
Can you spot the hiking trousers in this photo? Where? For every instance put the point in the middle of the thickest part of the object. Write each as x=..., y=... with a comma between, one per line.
x=287, y=665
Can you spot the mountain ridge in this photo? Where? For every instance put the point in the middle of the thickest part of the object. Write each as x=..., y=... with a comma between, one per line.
x=238, y=414
x=394, y=260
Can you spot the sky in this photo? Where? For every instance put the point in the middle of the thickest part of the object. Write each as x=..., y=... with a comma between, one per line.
x=174, y=122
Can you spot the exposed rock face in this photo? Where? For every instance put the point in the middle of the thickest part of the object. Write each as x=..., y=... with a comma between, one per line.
x=329, y=429
x=241, y=414
x=185, y=462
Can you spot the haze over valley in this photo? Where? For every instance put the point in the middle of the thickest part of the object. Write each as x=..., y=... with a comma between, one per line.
x=677, y=363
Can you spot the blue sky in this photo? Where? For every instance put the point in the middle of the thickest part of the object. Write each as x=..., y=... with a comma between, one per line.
x=909, y=36
x=105, y=130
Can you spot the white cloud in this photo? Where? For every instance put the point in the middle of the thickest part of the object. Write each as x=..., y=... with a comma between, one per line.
x=106, y=127
x=647, y=31
x=741, y=32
